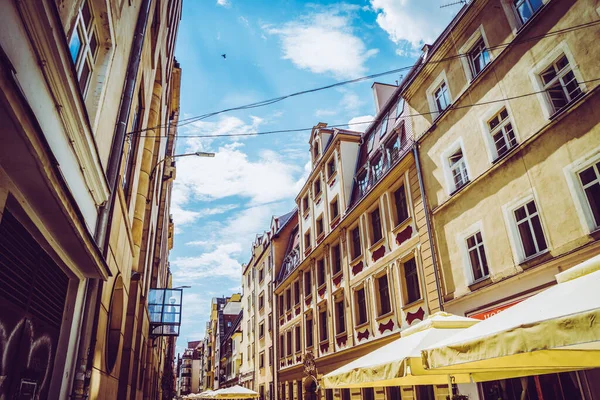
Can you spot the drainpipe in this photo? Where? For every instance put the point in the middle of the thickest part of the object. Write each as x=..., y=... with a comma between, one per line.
x=94, y=287
x=428, y=221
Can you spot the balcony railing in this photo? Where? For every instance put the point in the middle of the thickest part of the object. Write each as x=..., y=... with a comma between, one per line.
x=392, y=158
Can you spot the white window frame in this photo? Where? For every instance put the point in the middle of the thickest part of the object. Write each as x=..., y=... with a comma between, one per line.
x=511, y=225
x=461, y=241
x=451, y=149
x=537, y=69
x=85, y=55
x=571, y=171
x=468, y=46
x=514, y=20
x=487, y=134
x=441, y=78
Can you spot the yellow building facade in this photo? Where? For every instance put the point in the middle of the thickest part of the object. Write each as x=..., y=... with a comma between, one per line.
x=87, y=192
x=503, y=107
x=360, y=267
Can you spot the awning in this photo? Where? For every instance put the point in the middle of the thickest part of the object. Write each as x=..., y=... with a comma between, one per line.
x=399, y=362
x=234, y=392
x=203, y=395
x=555, y=330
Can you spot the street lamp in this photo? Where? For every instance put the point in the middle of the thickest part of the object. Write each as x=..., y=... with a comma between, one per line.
x=197, y=154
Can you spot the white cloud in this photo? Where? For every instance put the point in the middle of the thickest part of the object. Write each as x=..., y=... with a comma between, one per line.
x=244, y=21
x=224, y=3
x=325, y=113
x=360, y=124
x=199, y=243
x=324, y=42
x=411, y=23
x=231, y=242
x=231, y=173
x=225, y=125
x=220, y=262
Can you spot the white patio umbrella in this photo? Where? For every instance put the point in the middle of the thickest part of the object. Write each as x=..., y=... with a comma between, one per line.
x=399, y=362
x=234, y=392
x=204, y=395
x=556, y=330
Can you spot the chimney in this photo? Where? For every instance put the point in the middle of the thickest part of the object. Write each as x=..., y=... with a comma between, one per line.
x=425, y=51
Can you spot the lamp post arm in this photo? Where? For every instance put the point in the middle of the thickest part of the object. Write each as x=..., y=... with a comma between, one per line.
x=197, y=154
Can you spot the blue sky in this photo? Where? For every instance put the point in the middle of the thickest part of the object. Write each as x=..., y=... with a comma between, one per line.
x=273, y=47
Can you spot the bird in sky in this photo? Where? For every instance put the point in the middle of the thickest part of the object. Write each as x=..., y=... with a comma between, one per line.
x=224, y=55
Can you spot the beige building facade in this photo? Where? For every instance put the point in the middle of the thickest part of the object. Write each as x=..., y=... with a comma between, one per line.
x=360, y=268
x=504, y=110
x=82, y=193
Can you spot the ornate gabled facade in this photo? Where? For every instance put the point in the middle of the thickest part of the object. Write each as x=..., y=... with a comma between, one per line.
x=360, y=268
x=258, y=369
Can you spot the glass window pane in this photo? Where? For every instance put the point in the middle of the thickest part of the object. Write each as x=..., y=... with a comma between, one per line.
x=476, y=268
x=527, y=239
x=520, y=213
x=75, y=45
x=539, y=233
x=86, y=14
x=593, y=195
x=93, y=44
x=531, y=207
x=84, y=77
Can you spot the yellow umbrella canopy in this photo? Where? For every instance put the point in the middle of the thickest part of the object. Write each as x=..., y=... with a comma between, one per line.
x=556, y=330
x=399, y=362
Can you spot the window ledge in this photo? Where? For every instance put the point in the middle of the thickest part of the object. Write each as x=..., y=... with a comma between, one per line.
x=331, y=177
x=377, y=244
x=565, y=109
x=402, y=225
x=334, y=221
x=360, y=326
x=386, y=315
x=356, y=260
x=479, y=283
x=506, y=154
x=337, y=274
x=341, y=335
x=414, y=303
x=535, y=259
x=456, y=190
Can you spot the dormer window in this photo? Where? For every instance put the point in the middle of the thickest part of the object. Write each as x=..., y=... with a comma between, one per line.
x=384, y=126
x=400, y=107
x=362, y=183
x=378, y=168
x=316, y=150
x=370, y=143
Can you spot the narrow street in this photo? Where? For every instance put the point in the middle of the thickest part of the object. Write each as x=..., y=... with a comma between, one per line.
x=293, y=200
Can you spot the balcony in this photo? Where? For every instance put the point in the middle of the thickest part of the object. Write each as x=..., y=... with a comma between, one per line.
x=392, y=158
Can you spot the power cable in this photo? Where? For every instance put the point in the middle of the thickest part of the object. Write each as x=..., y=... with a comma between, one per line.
x=263, y=103
x=294, y=130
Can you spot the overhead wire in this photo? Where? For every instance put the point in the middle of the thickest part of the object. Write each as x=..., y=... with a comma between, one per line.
x=190, y=120
x=295, y=130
